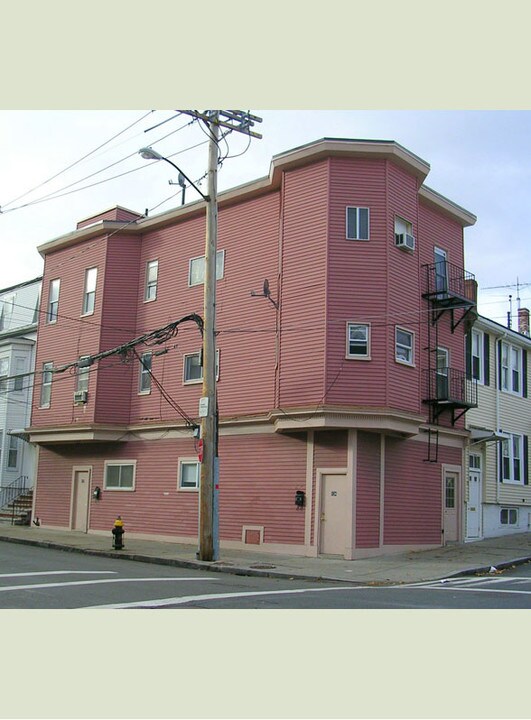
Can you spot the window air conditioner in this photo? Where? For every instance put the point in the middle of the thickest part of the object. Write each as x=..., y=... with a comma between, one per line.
x=80, y=397
x=406, y=241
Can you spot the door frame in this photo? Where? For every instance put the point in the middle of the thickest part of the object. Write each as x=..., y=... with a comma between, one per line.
x=457, y=470
x=319, y=501
x=75, y=469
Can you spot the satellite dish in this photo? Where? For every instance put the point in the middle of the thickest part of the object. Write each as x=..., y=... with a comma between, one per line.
x=267, y=291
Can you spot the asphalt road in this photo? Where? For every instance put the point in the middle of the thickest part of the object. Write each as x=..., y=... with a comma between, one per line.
x=39, y=578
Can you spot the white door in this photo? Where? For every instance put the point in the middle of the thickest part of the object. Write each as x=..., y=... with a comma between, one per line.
x=450, y=503
x=473, y=506
x=333, y=514
x=80, y=500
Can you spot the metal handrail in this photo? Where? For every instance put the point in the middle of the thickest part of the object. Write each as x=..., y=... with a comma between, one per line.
x=444, y=279
x=9, y=494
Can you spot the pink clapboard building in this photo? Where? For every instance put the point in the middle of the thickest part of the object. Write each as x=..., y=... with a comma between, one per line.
x=341, y=390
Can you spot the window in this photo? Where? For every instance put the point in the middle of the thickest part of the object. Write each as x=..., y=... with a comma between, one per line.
x=477, y=356
x=193, y=368
x=196, y=273
x=6, y=310
x=441, y=270
x=357, y=223
x=511, y=368
x=509, y=516
x=404, y=346
x=120, y=475
x=189, y=474
x=404, y=234
x=46, y=384
x=449, y=492
x=20, y=369
x=1, y=444
x=4, y=373
x=82, y=374
x=442, y=363
x=152, y=274
x=89, y=296
x=53, y=301
x=474, y=461
x=357, y=340
x=511, y=454
x=12, y=453
x=144, y=385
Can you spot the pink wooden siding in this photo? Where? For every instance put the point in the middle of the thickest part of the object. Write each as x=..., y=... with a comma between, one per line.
x=368, y=491
x=303, y=308
x=330, y=451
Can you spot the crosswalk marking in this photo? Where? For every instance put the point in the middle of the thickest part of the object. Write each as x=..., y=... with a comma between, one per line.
x=59, y=572
x=35, y=586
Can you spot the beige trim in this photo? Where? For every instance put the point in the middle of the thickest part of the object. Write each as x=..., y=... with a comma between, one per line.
x=309, y=491
x=448, y=207
x=259, y=528
x=447, y=438
x=318, y=499
x=384, y=422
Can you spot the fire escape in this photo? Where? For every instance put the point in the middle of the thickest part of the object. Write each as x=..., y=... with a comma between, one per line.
x=450, y=291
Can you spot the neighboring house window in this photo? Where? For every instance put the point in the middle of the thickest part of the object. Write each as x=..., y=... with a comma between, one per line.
x=404, y=346
x=1, y=444
x=46, y=385
x=509, y=516
x=6, y=310
x=20, y=369
x=189, y=471
x=193, y=369
x=145, y=373
x=89, y=296
x=196, y=272
x=511, y=368
x=357, y=340
x=12, y=453
x=512, y=460
x=4, y=373
x=357, y=223
x=120, y=475
x=152, y=274
x=477, y=356
x=53, y=301
x=83, y=374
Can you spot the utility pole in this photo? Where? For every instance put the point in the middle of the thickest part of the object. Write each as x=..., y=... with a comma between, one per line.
x=208, y=540
x=242, y=122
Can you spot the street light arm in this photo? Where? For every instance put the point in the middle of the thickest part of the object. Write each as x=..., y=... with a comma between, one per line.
x=150, y=154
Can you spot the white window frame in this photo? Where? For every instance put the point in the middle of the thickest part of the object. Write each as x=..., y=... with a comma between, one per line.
x=196, y=381
x=13, y=446
x=356, y=213
x=119, y=463
x=4, y=374
x=402, y=226
x=151, y=286
x=20, y=369
x=6, y=311
x=82, y=376
x=357, y=342
x=145, y=373
x=188, y=461
x=89, y=291
x=220, y=268
x=54, y=290
x=509, y=511
x=46, y=385
x=511, y=369
x=512, y=448
x=477, y=339
x=411, y=348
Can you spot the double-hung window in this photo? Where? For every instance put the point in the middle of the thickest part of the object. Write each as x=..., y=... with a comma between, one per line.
x=196, y=271
x=512, y=459
x=477, y=356
x=404, y=346
x=144, y=385
x=83, y=374
x=152, y=275
x=89, y=295
x=357, y=223
x=4, y=374
x=193, y=368
x=12, y=453
x=511, y=368
x=358, y=340
x=46, y=384
x=20, y=369
x=53, y=301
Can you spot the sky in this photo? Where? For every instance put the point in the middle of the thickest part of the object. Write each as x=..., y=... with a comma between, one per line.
x=58, y=167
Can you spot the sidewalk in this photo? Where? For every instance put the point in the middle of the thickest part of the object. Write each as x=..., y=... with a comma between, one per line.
x=398, y=568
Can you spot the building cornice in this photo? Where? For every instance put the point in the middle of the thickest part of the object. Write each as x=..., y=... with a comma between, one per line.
x=448, y=207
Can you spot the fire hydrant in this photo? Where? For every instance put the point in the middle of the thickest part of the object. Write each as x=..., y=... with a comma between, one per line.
x=118, y=533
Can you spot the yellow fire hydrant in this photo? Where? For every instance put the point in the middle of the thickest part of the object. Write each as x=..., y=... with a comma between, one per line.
x=118, y=533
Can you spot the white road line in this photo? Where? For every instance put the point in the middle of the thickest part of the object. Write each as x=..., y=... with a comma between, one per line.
x=60, y=572
x=36, y=586
x=221, y=596
x=480, y=589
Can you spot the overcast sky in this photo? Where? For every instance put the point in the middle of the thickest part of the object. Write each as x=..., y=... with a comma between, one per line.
x=479, y=159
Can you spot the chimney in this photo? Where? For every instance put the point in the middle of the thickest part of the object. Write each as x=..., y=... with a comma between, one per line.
x=523, y=321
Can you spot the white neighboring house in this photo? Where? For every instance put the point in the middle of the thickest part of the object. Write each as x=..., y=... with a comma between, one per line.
x=19, y=307
x=498, y=493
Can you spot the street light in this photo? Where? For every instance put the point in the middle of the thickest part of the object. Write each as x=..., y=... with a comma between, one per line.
x=149, y=154
x=208, y=531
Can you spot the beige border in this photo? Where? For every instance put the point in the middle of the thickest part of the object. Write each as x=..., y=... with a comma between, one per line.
x=310, y=440
x=260, y=529
x=319, y=472
x=79, y=468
